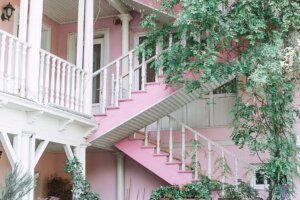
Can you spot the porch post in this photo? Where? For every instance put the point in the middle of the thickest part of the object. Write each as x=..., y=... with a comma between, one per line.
x=120, y=176
x=34, y=40
x=125, y=18
x=80, y=153
x=88, y=54
x=80, y=29
x=23, y=20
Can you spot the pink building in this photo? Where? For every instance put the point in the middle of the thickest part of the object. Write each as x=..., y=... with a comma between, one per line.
x=73, y=84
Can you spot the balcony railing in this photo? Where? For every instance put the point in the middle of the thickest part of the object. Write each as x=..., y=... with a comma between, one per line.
x=61, y=82
x=13, y=64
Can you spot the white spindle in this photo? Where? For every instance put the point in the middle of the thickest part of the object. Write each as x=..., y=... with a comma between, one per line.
x=2, y=60
x=144, y=71
x=68, y=86
x=47, y=78
x=113, y=87
x=9, y=74
x=158, y=50
x=183, y=148
x=130, y=74
x=171, y=140
x=72, y=88
x=236, y=171
x=17, y=67
x=223, y=171
x=196, y=172
x=57, y=84
x=158, y=137
x=77, y=96
x=83, y=74
x=52, y=84
x=121, y=87
x=117, y=91
x=209, y=170
x=104, y=92
x=41, y=76
x=63, y=84
x=146, y=141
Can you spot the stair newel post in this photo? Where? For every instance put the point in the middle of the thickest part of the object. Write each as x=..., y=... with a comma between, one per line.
x=196, y=146
x=144, y=71
x=130, y=74
x=236, y=171
x=117, y=91
x=171, y=140
x=112, y=99
x=146, y=141
x=104, y=92
x=158, y=137
x=183, y=148
x=209, y=160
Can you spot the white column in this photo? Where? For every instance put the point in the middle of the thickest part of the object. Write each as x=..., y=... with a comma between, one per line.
x=80, y=153
x=23, y=20
x=120, y=176
x=88, y=54
x=80, y=29
x=34, y=40
x=125, y=18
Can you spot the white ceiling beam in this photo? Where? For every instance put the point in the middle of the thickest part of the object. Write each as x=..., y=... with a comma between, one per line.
x=119, y=6
x=9, y=150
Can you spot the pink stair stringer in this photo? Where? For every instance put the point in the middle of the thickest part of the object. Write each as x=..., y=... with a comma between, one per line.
x=157, y=164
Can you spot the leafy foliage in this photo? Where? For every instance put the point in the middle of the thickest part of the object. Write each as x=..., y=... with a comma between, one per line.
x=59, y=187
x=17, y=184
x=256, y=41
x=81, y=187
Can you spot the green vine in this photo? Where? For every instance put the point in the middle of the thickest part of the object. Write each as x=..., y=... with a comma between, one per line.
x=81, y=187
x=257, y=42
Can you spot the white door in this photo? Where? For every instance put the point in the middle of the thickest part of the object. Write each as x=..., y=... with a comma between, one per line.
x=46, y=37
x=97, y=64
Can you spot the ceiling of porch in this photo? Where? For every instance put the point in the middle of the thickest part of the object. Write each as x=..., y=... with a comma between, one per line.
x=65, y=11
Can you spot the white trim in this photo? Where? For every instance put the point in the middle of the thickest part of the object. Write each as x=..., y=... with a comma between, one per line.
x=68, y=151
x=9, y=150
x=39, y=151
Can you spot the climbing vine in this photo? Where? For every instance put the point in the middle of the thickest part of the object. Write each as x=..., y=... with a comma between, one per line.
x=258, y=42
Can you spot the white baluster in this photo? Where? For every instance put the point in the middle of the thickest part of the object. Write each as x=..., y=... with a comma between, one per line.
x=158, y=50
x=77, y=96
x=117, y=91
x=112, y=99
x=83, y=74
x=63, y=84
x=196, y=172
x=236, y=171
x=130, y=74
x=104, y=91
x=170, y=41
x=9, y=74
x=171, y=140
x=58, y=79
x=146, y=141
x=72, y=94
x=41, y=76
x=223, y=171
x=17, y=67
x=2, y=60
x=209, y=170
x=121, y=87
x=68, y=87
x=52, y=84
x=23, y=69
x=144, y=71
x=158, y=137
x=183, y=148
x=47, y=78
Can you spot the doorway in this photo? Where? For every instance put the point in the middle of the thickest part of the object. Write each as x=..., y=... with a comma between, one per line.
x=98, y=61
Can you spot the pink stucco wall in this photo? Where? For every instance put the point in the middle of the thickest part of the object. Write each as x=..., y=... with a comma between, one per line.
x=8, y=25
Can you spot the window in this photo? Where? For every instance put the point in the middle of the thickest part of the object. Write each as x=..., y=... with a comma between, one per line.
x=260, y=181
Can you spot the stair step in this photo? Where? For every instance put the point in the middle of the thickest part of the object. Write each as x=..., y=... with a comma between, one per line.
x=148, y=147
x=112, y=108
x=184, y=172
x=161, y=155
x=152, y=83
x=100, y=115
x=139, y=92
x=125, y=100
x=173, y=163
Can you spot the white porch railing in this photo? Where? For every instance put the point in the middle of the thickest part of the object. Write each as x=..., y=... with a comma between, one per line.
x=13, y=64
x=126, y=74
x=198, y=153
x=61, y=82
